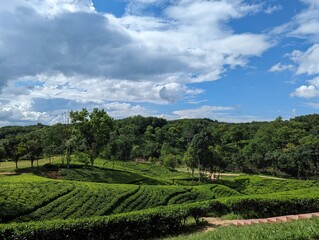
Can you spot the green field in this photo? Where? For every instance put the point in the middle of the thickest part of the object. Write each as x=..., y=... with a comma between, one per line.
x=55, y=192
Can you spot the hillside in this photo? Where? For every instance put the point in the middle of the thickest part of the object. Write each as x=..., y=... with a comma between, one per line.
x=81, y=192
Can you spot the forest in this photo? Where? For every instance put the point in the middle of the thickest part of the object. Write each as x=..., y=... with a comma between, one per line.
x=285, y=148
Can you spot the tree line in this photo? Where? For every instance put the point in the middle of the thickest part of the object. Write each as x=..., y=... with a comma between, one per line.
x=279, y=147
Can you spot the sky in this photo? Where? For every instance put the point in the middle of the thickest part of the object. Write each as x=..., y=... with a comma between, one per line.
x=227, y=60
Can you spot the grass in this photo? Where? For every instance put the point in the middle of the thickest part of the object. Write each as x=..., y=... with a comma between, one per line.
x=9, y=166
x=301, y=229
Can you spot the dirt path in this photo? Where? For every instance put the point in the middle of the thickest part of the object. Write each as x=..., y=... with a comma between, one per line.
x=214, y=223
x=8, y=173
x=270, y=177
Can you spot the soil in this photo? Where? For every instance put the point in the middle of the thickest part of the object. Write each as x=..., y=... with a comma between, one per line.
x=213, y=223
x=54, y=175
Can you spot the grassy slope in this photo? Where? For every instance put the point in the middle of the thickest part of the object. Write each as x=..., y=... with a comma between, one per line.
x=301, y=229
x=10, y=166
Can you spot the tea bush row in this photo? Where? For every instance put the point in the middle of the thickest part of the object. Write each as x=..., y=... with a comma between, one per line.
x=160, y=221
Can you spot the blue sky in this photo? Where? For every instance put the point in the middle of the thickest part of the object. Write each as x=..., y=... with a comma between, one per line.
x=229, y=60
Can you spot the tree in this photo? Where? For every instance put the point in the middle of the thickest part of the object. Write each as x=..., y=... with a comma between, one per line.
x=170, y=161
x=33, y=145
x=190, y=159
x=93, y=129
x=201, y=152
x=55, y=140
x=215, y=162
x=310, y=151
x=2, y=153
x=14, y=148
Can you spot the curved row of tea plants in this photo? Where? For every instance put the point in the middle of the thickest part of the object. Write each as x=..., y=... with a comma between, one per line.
x=158, y=222
x=26, y=198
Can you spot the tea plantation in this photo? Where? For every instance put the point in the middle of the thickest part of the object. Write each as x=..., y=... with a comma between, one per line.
x=120, y=200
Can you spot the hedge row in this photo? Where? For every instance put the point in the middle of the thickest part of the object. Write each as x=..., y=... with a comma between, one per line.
x=160, y=221
x=136, y=225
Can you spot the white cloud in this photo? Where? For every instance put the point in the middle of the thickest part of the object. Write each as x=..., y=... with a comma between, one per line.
x=219, y=113
x=303, y=25
x=272, y=9
x=197, y=102
x=95, y=45
x=122, y=110
x=100, y=90
x=279, y=67
x=202, y=112
x=306, y=92
x=80, y=55
x=314, y=82
x=20, y=111
x=49, y=7
x=308, y=21
x=308, y=61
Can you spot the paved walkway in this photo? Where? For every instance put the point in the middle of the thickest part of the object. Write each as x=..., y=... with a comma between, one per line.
x=279, y=219
x=213, y=223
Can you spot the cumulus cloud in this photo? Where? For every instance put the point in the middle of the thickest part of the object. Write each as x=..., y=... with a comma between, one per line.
x=20, y=111
x=306, y=92
x=74, y=53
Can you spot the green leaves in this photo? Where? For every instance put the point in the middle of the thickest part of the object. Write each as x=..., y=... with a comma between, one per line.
x=91, y=130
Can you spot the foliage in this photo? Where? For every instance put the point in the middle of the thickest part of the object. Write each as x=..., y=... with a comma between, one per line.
x=279, y=148
x=158, y=221
x=92, y=131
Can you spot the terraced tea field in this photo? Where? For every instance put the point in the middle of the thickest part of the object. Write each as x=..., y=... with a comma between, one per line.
x=27, y=197
x=107, y=190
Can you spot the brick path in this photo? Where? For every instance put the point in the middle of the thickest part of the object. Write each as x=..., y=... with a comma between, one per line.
x=279, y=219
x=214, y=223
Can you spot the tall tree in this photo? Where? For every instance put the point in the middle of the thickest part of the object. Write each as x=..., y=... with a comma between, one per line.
x=200, y=143
x=190, y=159
x=14, y=148
x=93, y=129
x=34, y=146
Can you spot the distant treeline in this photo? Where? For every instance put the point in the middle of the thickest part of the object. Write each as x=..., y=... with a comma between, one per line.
x=280, y=147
